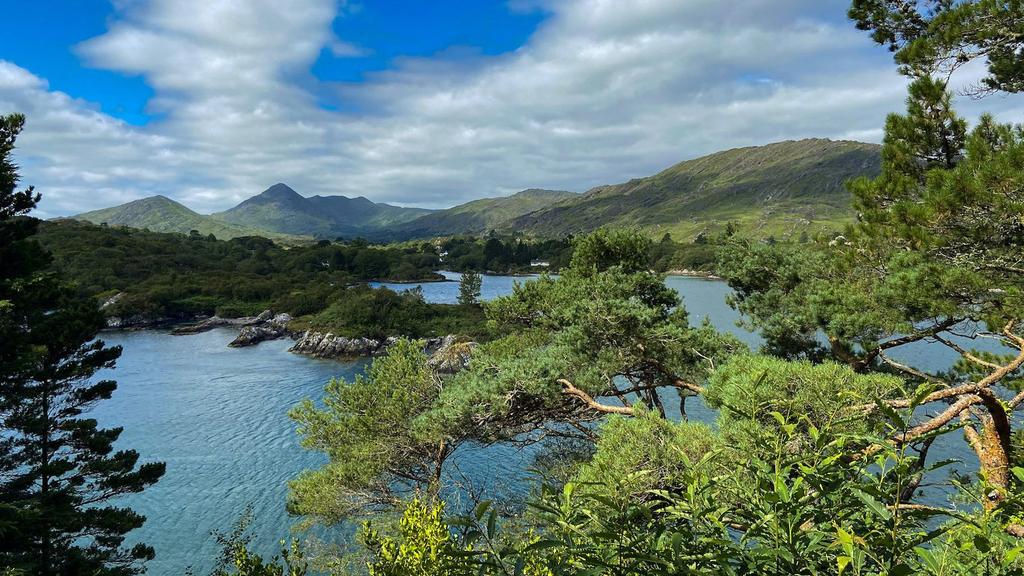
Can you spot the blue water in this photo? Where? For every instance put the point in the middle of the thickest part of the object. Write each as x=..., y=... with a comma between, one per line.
x=448, y=292
x=218, y=417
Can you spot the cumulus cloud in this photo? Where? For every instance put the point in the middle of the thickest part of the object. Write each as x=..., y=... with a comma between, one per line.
x=604, y=90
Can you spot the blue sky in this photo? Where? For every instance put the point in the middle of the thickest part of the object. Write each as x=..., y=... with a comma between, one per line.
x=41, y=36
x=420, y=103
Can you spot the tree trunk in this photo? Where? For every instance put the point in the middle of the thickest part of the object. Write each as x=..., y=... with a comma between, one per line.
x=992, y=445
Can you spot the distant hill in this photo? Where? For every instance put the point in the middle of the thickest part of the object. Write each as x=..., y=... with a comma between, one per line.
x=479, y=216
x=281, y=209
x=778, y=189
x=161, y=214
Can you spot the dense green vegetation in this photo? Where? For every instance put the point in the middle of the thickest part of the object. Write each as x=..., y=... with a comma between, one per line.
x=511, y=254
x=179, y=276
x=820, y=460
x=148, y=276
x=60, y=476
x=361, y=311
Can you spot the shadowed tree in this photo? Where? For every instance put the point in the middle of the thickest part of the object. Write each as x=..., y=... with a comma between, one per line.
x=58, y=469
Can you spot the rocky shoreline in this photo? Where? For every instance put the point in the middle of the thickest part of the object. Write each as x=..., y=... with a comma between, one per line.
x=447, y=355
x=693, y=274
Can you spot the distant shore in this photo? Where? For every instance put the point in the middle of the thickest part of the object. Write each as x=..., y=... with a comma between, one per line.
x=694, y=274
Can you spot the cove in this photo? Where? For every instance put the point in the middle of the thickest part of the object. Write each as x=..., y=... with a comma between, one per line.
x=218, y=417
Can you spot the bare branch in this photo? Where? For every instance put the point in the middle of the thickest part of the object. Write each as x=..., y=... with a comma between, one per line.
x=569, y=389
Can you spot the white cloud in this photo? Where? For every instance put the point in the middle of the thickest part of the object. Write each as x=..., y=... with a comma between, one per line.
x=604, y=91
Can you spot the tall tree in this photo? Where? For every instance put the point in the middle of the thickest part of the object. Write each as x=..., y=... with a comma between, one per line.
x=58, y=469
x=934, y=257
x=469, y=288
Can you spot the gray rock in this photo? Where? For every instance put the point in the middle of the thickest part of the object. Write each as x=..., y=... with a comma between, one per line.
x=451, y=356
x=264, y=316
x=321, y=345
x=251, y=335
x=205, y=325
x=447, y=355
x=136, y=322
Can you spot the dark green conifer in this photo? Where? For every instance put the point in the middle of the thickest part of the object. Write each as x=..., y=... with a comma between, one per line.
x=58, y=468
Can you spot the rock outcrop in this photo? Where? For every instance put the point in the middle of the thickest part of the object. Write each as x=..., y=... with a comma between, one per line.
x=331, y=346
x=448, y=355
x=270, y=328
x=218, y=322
x=136, y=322
x=451, y=355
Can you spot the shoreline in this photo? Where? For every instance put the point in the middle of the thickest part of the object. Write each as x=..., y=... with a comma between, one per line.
x=694, y=274
x=131, y=324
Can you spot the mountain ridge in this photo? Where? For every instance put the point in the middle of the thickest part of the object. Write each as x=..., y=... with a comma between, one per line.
x=774, y=188
x=779, y=188
x=479, y=216
x=159, y=213
x=281, y=209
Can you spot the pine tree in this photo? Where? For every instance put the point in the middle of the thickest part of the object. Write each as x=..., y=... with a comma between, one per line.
x=469, y=288
x=58, y=469
x=936, y=37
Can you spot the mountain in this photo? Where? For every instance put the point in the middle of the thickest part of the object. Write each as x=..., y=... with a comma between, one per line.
x=774, y=189
x=161, y=214
x=281, y=209
x=479, y=216
x=777, y=189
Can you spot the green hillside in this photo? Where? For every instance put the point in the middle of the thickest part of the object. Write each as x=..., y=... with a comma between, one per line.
x=161, y=214
x=283, y=210
x=480, y=216
x=781, y=189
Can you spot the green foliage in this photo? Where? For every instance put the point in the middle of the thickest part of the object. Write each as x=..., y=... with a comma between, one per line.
x=367, y=428
x=380, y=313
x=749, y=389
x=424, y=545
x=606, y=248
x=469, y=288
x=60, y=476
x=502, y=254
x=174, y=276
x=772, y=511
x=638, y=455
x=606, y=327
x=237, y=560
x=939, y=36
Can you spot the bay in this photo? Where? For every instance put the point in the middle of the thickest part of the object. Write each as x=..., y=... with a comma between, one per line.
x=218, y=417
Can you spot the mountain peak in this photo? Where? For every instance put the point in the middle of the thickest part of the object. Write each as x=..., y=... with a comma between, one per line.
x=279, y=191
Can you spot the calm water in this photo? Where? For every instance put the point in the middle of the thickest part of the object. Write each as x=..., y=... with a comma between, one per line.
x=217, y=417
x=448, y=292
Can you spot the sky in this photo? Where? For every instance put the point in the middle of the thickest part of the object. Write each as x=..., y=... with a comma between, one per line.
x=427, y=104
